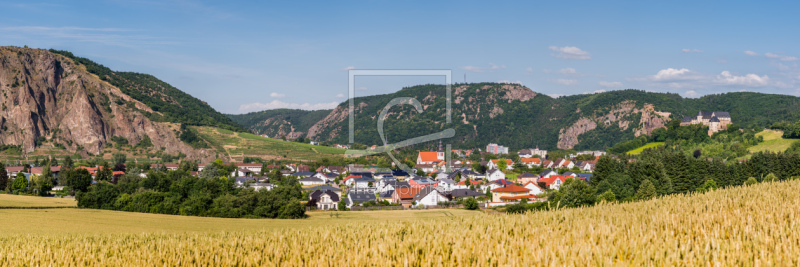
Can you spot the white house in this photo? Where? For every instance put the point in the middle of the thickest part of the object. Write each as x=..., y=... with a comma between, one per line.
x=241, y=173
x=535, y=189
x=312, y=181
x=429, y=196
x=495, y=174
x=492, y=164
x=446, y=184
x=264, y=186
x=547, y=174
x=363, y=182
x=326, y=200
x=253, y=167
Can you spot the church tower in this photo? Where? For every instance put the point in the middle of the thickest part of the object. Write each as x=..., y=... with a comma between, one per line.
x=440, y=152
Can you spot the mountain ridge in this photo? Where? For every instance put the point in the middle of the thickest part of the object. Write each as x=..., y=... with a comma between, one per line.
x=515, y=116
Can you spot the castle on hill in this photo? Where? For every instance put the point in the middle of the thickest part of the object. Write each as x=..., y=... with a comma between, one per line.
x=716, y=121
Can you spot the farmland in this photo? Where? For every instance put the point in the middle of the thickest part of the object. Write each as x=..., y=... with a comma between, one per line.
x=639, y=150
x=728, y=227
x=236, y=145
x=15, y=201
x=773, y=141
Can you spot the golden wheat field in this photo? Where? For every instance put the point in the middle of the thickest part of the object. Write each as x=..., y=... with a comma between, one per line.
x=743, y=226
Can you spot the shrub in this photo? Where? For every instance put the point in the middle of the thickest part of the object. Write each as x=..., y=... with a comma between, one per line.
x=471, y=204
x=608, y=196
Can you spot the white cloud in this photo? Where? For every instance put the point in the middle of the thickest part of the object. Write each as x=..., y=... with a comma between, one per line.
x=570, y=52
x=750, y=53
x=691, y=93
x=599, y=91
x=109, y=36
x=471, y=68
x=276, y=104
x=685, y=78
x=567, y=82
x=340, y=95
x=568, y=71
x=780, y=57
x=751, y=80
x=529, y=69
x=349, y=68
x=491, y=67
x=555, y=95
x=495, y=66
x=609, y=84
x=671, y=74
x=276, y=95
x=687, y=50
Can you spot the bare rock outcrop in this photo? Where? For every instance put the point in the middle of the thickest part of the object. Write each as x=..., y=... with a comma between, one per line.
x=568, y=138
x=47, y=95
x=649, y=121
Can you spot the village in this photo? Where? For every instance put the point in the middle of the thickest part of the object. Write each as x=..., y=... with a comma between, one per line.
x=432, y=183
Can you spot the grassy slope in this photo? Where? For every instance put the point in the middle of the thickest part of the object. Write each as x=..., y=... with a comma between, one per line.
x=235, y=145
x=773, y=141
x=729, y=227
x=639, y=150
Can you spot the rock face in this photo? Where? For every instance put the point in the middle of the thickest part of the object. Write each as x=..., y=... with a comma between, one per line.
x=620, y=114
x=568, y=137
x=47, y=95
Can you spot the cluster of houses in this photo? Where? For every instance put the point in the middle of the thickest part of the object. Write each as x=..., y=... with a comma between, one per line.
x=356, y=184
x=359, y=184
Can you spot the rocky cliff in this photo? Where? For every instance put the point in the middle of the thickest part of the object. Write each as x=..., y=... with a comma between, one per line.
x=50, y=96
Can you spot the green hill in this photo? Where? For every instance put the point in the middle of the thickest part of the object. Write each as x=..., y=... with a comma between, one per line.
x=517, y=117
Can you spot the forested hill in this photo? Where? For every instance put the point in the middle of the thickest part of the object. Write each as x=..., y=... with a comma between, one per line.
x=169, y=103
x=514, y=116
x=291, y=123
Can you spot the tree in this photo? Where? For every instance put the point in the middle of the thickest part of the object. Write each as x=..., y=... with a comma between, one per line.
x=104, y=173
x=576, y=193
x=119, y=158
x=697, y=154
x=68, y=162
x=646, y=191
x=608, y=196
x=709, y=185
x=771, y=177
x=78, y=179
x=342, y=205
x=3, y=177
x=20, y=182
x=46, y=180
x=751, y=181
x=502, y=164
x=471, y=204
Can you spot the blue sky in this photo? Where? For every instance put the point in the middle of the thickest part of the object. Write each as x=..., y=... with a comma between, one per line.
x=243, y=56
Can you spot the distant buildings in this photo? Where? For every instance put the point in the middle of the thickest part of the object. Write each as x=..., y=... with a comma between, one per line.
x=496, y=149
x=431, y=157
x=530, y=153
x=716, y=121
